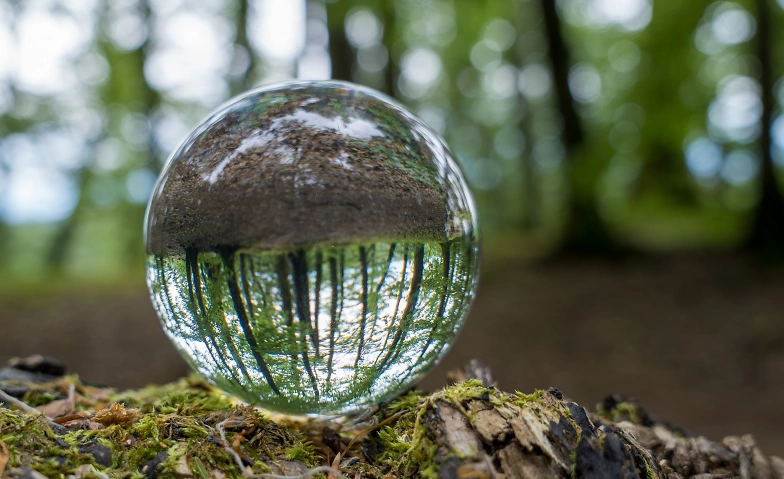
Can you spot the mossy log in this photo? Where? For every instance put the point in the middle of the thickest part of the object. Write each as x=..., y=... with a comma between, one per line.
x=470, y=430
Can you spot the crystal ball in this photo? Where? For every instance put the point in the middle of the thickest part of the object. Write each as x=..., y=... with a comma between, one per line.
x=312, y=248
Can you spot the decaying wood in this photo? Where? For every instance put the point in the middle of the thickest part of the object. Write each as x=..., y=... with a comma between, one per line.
x=470, y=430
x=559, y=439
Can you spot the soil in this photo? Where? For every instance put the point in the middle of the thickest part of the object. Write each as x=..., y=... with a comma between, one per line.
x=698, y=339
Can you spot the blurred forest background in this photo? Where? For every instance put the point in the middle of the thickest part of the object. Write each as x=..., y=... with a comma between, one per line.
x=627, y=157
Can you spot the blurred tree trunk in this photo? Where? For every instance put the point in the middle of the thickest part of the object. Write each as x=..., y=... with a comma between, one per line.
x=127, y=86
x=663, y=174
x=585, y=229
x=531, y=190
x=767, y=230
x=340, y=52
x=244, y=81
x=560, y=61
x=5, y=241
x=389, y=20
x=65, y=232
x=62, y=238
x=147, y=103
x=532, y=210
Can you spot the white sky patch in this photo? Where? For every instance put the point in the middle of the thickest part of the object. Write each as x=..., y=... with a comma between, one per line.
x=778, y=132
x=7, y=46
x=363, y=28
x=194, y=57
x=277, y=27
x=139, y=185
x=734, y=114
x=38, y=195
x=342, y=161
x=585, y=82
x=48, y=43
x=355, y=127
x=374, y=58
x=314, y=65
x=534, y=81
x=499, y=34
x=169, y=128
x=732, y=25
x=421, y=66
x=632, y=15
x=703, y=157
x=501, y=81
x=254, y=141
x=127, y=30
x=739, y=167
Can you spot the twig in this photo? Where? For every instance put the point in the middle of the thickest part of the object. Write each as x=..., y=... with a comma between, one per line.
x=373, y=428
x=229, y=449
x=72, y=395
x=6, y=398
x=363, y=418
x=308, y=474
x=246, y=471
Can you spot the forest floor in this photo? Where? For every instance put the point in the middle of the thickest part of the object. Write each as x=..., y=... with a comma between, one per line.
x=699, y=339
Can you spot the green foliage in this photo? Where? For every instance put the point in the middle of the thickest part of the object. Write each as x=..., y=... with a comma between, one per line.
x=244, y=309
x=658, y=84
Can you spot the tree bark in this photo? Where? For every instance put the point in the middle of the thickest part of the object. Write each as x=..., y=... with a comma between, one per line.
x=767, y=231
x=468, y=430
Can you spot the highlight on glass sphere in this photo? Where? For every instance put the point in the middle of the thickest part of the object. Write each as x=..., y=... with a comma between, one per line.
x=312, y=248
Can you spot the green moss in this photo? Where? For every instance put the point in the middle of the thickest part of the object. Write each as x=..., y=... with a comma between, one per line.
x=573, y=456
x=461, y=392
x=188, y=396
x=407, y=448
x=301, y=452
x=180, y=418
x=624, y=411
x=410, y=400
x=36, y=397
x=522, y=399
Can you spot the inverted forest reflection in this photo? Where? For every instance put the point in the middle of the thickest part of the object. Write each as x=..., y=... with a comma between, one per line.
x=327, y=328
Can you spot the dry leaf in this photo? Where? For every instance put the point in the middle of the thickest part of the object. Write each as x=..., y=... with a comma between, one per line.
x=56, y=408
x=117, y=414
x=4, y=456
x=72, y=417
x=335, y=466
x=83, y=423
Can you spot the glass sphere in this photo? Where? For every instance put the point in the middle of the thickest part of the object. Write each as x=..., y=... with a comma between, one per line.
x=312, y=248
